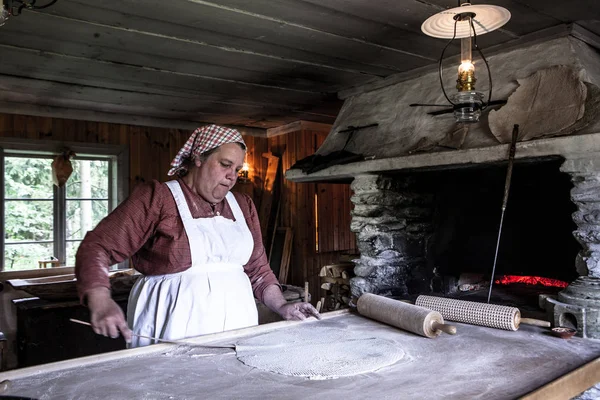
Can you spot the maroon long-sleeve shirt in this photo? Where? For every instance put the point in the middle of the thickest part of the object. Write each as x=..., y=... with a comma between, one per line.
x=147, y=227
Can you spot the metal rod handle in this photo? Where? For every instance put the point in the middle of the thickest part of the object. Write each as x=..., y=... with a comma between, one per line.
x=511, y=160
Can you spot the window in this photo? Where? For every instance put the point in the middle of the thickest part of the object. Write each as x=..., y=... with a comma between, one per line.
x=87, y=201
x=42, y=221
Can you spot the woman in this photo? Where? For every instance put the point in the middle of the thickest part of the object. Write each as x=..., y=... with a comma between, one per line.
x=197, y=244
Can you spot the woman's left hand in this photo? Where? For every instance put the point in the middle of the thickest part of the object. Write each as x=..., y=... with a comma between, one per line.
x=298, y=311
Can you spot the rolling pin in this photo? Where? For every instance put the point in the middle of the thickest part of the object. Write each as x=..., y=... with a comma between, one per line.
x=471, y=312
x=405, y=316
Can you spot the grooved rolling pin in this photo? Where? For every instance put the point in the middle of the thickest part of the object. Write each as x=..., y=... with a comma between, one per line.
x=405, y=316
x=471, y=312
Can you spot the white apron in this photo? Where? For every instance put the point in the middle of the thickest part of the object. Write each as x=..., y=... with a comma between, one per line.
x=213, y=295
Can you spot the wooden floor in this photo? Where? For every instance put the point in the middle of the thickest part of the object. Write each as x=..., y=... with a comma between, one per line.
x=477, y=363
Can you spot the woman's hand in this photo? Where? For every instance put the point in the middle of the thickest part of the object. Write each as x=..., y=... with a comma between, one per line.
x=298, y=311
x=273, y=298
x=107, y=318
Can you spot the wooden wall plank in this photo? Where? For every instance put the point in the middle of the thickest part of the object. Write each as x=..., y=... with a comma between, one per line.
x=147, y=161
x=18, y=126
x=337, y=201
x=58, y=129
x=269, y=201
x=6, y=124
x=134, y=157
x=350, y=237
x=31, y=127
x=69, y=128
x=123, y=134
x=145, y=151
x=297, y=212
x=334, y=218
x=103, y=132
x=44, y=126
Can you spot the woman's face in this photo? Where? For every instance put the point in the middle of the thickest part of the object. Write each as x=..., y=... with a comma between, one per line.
x=217, y=174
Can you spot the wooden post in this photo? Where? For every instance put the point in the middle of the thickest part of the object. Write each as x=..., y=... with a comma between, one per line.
x=306, y=292
x=265, y=212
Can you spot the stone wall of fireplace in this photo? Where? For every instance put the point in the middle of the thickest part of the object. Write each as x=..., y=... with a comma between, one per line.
x=393, y=225
x=585, y=173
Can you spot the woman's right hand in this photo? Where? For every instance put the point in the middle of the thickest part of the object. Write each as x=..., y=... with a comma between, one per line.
x=107, y=318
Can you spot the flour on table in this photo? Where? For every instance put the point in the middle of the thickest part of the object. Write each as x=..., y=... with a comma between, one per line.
x=318, y=352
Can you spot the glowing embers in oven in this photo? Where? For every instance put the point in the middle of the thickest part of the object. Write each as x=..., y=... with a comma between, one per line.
x=530, y=280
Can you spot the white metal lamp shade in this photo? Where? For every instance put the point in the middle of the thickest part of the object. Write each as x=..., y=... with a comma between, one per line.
x=487, y=18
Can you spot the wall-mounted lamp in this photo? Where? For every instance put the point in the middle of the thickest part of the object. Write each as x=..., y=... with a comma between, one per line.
x=466, y=22
x=243, y=175
x=14, y=7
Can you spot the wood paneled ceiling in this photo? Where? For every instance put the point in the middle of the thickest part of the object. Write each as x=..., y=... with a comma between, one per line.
x=254, y=63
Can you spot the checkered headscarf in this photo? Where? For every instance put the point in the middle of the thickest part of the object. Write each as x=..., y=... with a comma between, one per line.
x=202, y=140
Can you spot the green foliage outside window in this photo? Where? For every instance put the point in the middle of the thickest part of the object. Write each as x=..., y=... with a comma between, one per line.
x=29, y=231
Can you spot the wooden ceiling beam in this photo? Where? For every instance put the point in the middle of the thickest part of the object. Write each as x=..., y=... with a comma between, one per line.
x=126, y=69
x=232, y=32
x=79, y=98
x=81, y=70
x=275, y=75
x=310, y=30
x=176, y=102
x=246, y=125
x=272, y=53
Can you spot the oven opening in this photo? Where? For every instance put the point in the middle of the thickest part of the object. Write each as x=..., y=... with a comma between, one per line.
x=537, y=249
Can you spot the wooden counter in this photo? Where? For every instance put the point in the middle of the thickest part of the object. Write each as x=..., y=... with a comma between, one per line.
x=45, y=334
x=477, y=363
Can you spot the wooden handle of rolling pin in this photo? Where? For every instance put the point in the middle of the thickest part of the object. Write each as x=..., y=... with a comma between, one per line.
x=436, y=326
x=449, y=329
x=536, y=322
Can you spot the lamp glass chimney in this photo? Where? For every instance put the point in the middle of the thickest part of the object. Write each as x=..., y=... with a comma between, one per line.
x=466, y=57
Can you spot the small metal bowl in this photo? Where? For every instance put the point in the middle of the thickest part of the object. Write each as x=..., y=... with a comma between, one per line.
x=563, y=333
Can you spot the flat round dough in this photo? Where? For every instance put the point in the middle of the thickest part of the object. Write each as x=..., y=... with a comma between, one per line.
x=317, y=352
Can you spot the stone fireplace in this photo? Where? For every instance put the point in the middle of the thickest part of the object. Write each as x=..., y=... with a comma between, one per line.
x=419, y=232
x=428, y=192
x=429, y=228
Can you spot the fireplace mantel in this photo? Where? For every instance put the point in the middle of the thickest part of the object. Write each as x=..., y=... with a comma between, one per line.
x=575, y=146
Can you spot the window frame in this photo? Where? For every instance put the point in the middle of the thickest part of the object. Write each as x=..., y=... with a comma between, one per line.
x=118, y=188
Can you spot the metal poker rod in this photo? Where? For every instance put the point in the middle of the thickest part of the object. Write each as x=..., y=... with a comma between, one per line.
x=179, y=342
x=511, y=160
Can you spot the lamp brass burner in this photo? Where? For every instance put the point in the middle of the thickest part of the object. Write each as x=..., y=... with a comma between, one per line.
x=466, y=81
